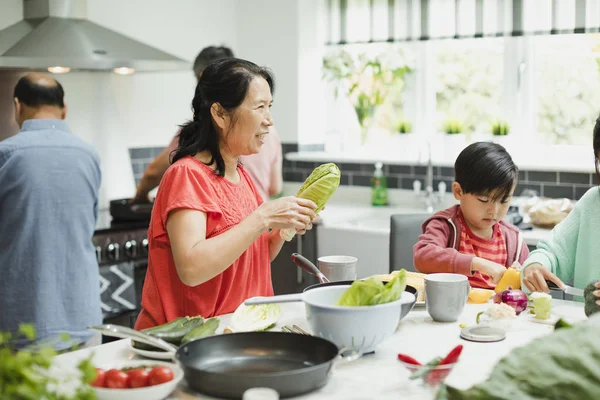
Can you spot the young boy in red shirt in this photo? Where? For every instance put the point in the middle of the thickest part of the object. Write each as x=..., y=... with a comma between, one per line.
x=471, y=238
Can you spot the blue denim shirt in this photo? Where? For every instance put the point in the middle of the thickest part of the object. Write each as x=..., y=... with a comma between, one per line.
x=49, y=182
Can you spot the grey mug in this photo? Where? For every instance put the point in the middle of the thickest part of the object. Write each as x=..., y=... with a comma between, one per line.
x=446, y=295
x=338, y=268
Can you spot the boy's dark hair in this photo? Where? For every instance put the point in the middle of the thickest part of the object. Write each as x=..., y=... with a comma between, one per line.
x=208, y=55
x=486, y=169
x=34, y=95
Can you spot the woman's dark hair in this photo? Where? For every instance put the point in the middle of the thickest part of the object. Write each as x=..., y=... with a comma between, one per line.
x=33, y=95
x=486, y=169
x=225, y=82
x=208, y=55
x=597, y=148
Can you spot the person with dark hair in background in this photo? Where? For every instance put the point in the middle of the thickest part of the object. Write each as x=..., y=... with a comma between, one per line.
x=264, y=168
x=471, y=238
x=49, y=183
x=571, y=252
x=211, y=236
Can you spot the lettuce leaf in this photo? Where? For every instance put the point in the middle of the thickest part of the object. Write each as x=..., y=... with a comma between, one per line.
x=372, y=291
x=563, y=365
x=255, y=318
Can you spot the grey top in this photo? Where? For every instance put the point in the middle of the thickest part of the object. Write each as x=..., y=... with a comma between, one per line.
x=49, y=276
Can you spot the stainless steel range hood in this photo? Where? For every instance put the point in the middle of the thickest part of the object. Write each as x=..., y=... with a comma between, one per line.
x=57, y=33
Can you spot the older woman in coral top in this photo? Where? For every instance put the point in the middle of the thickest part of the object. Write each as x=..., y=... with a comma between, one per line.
x=211, y=237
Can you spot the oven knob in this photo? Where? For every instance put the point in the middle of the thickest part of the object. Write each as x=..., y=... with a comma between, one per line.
x=145, y=245
x=131, y=248
x=112, y=251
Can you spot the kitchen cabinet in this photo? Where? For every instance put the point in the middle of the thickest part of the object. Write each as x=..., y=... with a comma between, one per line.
x=286, y=276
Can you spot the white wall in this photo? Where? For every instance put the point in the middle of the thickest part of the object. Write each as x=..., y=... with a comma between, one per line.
x=286, y=35
x=117, y=112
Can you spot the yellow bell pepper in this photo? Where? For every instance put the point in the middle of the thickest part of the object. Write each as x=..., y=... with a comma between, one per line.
x=512, y=277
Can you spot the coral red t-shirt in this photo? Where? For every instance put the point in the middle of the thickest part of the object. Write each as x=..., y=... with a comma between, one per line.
x=493, y=249
x=190, y=184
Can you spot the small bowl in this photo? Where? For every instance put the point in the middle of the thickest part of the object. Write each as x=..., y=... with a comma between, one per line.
x=156, y=392
x=434, y=378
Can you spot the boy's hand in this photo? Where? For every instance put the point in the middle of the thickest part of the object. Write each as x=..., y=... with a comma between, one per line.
x=494, y=270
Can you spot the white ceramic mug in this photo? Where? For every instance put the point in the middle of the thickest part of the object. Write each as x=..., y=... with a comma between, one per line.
x=338, y=268
x=446, y=295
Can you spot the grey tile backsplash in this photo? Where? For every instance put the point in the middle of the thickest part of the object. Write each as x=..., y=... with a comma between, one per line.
x=140, y=159
x=546, y=183
x=550, y=184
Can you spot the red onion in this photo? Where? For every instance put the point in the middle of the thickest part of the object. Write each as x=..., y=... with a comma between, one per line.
x=515, y=298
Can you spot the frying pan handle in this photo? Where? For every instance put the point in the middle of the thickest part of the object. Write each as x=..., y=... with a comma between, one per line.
x=346, y=355
x=309, y=267
x=284, y=298
x=128, y=333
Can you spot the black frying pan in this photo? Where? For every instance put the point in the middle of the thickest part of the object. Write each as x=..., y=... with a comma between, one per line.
x=228, y=365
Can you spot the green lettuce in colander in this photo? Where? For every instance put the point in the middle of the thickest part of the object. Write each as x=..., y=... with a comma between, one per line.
x=318, y=187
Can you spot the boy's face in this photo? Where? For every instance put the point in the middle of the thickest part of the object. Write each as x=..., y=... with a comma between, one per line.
x=480, y=212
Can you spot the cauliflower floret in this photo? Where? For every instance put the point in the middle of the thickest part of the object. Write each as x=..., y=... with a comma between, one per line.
x=501, y=310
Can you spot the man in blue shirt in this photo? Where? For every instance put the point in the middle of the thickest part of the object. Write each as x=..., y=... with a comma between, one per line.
x=49, y=182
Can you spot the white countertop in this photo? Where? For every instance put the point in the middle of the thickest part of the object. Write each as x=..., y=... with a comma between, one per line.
x=380, y=375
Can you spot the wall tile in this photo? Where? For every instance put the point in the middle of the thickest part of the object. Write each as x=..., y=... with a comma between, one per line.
x=293, y=176
x=447, y=172
x=361, y=180
x=570, y=177
x=557, y=191
x=401, y=169
x=542, y=176
x=522, y=175
x=309, y=165
x=350, y=167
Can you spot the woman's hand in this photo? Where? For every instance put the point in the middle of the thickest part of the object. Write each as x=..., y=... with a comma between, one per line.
x=535, y=277
x=597, y=292
x=288, y=212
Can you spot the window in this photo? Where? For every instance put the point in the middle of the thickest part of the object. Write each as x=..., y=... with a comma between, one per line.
x=469, y=76
x=568, y=87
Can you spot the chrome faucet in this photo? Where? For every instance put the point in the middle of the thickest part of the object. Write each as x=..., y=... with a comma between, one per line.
x=429, y=197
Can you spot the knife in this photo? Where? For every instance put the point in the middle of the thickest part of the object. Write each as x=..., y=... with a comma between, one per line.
x=567, y=289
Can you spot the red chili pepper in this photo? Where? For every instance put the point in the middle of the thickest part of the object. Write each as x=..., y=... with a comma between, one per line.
x=436, y=377
x=452, y=357
x=408, y=359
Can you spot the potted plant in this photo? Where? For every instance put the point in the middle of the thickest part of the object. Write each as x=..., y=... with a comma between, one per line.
x=500, y=131
x=403, y=126
x=454, y=139
x=500, y=128
x=365, y=80
x=453, y=126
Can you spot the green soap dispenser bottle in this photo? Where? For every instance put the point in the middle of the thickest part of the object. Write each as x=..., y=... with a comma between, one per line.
x=379, y=191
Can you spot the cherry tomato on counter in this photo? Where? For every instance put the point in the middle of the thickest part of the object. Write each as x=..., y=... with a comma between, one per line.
x=115, y=379
x=160, y=374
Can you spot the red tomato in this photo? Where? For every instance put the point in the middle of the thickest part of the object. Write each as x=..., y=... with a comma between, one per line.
x=160, y=374
x=100, y=375
x=115, y=379
x=137, y=378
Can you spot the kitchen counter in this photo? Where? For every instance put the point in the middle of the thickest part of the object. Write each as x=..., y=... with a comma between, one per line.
x=380, y=375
